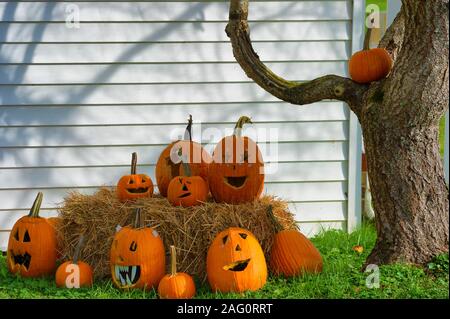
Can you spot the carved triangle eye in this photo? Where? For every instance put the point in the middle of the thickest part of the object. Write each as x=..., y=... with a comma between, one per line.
x=26, y=237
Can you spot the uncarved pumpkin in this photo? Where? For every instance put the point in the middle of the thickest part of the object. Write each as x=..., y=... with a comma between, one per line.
x=137, y=257
x=236, y=174
x=32, y=244
x=292, y=253
x=176, y=285
x=75, y=273
x=235, y=262
x=134, y=186
x=167, y=168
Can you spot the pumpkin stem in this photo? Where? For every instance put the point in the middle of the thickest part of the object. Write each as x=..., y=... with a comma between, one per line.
x=34, y=211
x=138, y=219
x=240, y=124
x=76, y=254
x=173, y=260
x=276, y=223
x=188, y=132
x=367, y=36
x=133, y=163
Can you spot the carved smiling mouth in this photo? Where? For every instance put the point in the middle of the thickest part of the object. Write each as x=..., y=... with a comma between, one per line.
x=236, y=181
x=184, y=195
x=22, y=260
x=140, y=190
x=127, y=276
x=237, y=266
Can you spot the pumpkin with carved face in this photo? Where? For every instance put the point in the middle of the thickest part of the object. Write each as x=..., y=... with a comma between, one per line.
x=236, y=174
x=235, y=262
x=137, y=257
x=134, y=186
x=169, y=162
x=32, y=244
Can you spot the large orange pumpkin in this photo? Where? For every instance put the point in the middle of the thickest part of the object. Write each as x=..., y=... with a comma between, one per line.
x=369, y=65
x=134, y=186
x=137, y=257
x=75, y=273
x=187, y=190
x=292, y=253
x=32, y=244
x=176, y=285
x=167, y=168
x=235, y=262
x=236, y=174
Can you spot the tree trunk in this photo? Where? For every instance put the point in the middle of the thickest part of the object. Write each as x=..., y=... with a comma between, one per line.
x=399, y=117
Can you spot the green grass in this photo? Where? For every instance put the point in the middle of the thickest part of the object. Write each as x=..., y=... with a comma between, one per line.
x=380, y=3
x=341, y=278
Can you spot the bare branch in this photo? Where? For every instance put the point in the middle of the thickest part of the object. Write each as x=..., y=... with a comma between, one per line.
x=326, y=87
x=392, y=40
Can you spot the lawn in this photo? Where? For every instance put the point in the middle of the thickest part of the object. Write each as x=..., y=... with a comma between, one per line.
x=341, y=278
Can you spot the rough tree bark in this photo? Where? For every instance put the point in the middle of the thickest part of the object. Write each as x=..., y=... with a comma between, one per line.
x=399, y=118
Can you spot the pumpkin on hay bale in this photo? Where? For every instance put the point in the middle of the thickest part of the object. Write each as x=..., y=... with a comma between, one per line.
x=191, y=229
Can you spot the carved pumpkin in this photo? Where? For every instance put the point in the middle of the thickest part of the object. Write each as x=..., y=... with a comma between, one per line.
x=236, y=174
x=32, y=244
x=137, y=257
x=134, y=186
x=187, y=190
x=369, y=65
x=75, y=273
x=235, y=262
x=292, y=253
x=167, y=168
x=176, y=285
x=56, y=223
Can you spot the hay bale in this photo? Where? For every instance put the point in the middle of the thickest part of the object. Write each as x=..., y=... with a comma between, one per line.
x=190, y=229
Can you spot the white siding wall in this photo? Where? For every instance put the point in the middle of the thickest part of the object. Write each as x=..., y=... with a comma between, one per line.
x=74, y=103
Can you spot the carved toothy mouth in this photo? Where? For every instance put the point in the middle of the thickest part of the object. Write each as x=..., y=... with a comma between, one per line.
x=236, y=182
x=184, y=195
x=21, y=260
x=237, y=265
x=127, y=276
x=140, y=190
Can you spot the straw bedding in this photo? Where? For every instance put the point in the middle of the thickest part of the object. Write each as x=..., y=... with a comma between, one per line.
x=191, y=230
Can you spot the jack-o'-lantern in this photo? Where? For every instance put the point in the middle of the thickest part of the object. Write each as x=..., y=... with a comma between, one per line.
x=236, y=174
x=32, y=244
x=134, y=186
x=235, y=262
x=75, y=273
x=137, y=257
x=169, y=163
x=187, y=190
x=176, y=285
x=292, y=253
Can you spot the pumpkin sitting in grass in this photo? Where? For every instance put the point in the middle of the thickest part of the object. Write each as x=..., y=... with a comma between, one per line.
x=176, y=285
x=134, y=186
x=75, y=273
x=32, y=244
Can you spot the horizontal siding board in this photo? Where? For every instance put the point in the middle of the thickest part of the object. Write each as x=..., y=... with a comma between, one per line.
x=178, y=11
x=169, y=32
x=108, y=156
x=177, y=114
x=170, y=52
x=311, y=229
x=301, y=192
x=159, y=73
x=125, y=135
x=86, y=176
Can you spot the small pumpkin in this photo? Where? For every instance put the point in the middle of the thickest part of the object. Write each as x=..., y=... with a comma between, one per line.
x=292, y=253
x=32, y=244
x=187, y=190
x=236, y=174
x=137, y=257
x=167, y=169
x=235, y=262
x=75, y=273
x=369, y=65
x=176, y=285
x=134, y=186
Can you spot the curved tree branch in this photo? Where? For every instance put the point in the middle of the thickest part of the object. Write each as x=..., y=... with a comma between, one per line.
x=392, y=40
x=326, y=87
